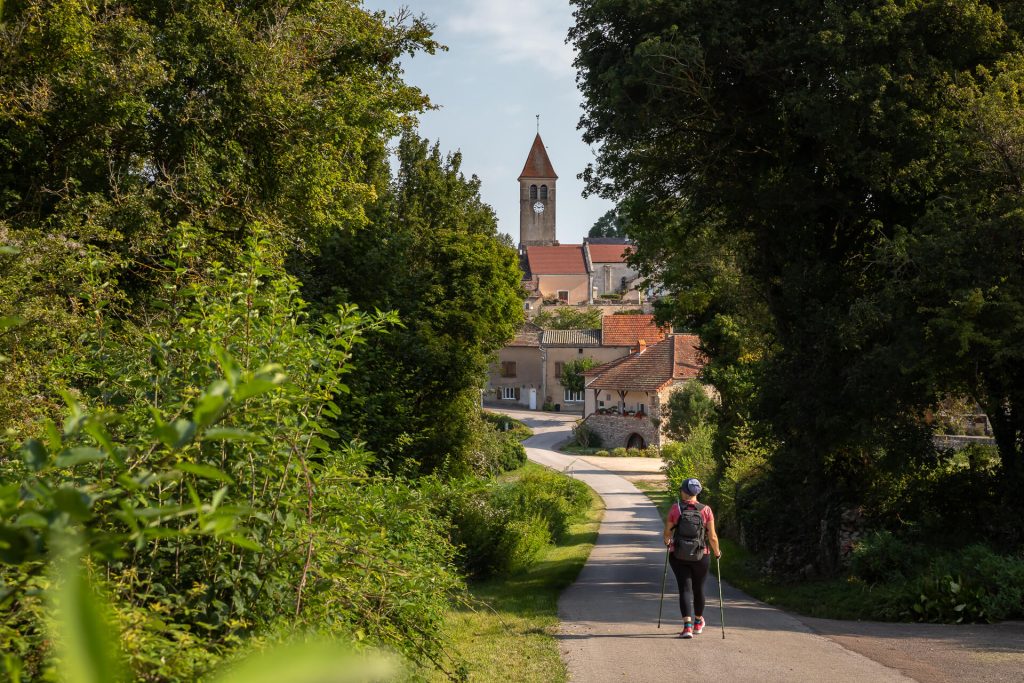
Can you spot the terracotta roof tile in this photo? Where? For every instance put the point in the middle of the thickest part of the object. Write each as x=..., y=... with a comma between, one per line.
x=628, y=330
x=538, y=165
x=608, y=253
x=571, y=338
x=566, y=259
x=528, y=335
x=675, y=358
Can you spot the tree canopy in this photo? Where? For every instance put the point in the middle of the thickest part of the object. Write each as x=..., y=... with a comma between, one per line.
x=828, y=190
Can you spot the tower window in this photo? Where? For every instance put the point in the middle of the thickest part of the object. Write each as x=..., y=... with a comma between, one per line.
x=543, y=191
x=533, y=192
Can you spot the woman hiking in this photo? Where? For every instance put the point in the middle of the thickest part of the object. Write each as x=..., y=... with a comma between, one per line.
x=689, y=530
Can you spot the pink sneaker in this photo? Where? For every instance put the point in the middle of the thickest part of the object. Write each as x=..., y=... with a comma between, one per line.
x=698, y=626
x=687, y=631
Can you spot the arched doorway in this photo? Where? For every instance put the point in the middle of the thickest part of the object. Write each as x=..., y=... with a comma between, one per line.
x=635, y=441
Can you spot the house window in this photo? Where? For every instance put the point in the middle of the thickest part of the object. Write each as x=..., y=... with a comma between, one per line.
x=600, y=404
x=509, y=393
x=526, y=305
x=533, y=192
x=573, y=396
x=543, y=191
x=641, y=408
x=508, y=368
x=563, y=295
x=558, y=370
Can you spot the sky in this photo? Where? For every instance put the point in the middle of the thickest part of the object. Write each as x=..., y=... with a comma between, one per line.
x=507, y=62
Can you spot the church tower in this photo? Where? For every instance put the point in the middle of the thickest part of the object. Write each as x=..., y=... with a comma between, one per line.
x=537, y=198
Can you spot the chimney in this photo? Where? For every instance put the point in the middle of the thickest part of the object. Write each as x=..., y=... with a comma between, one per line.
x=643, y=345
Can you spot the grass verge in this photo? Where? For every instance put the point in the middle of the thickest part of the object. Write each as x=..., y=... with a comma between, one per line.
x=826, y=598
x=505, y=423
x=508, y=633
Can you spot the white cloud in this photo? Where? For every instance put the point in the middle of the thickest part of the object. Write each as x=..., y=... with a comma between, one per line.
x=521, y=31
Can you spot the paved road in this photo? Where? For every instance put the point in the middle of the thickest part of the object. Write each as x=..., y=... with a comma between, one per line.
x=608, y=630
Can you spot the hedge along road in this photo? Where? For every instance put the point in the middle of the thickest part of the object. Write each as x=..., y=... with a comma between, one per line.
x=609, y=616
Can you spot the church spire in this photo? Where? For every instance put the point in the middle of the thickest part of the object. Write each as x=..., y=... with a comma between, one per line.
x=538, y=165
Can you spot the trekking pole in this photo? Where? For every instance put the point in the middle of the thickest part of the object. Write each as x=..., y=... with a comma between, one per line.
x=664, y=573
x=721, y=605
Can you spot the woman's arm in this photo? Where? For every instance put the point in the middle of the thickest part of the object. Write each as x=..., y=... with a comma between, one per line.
x=713, y=538
x=668, y=528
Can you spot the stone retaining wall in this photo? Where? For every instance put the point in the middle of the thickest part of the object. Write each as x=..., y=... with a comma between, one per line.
x=957, y=442
x=615, y=430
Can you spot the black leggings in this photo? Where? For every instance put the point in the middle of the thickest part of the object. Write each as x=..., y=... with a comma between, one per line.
x=690, y=576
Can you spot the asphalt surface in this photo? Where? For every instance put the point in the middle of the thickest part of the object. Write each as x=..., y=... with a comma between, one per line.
x=609, y=616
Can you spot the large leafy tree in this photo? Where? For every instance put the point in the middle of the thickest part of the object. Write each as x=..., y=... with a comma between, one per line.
x=800, y=138
x=121, y=120
x=433, y=254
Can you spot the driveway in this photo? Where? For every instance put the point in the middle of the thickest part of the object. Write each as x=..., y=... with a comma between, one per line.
x=609, y=616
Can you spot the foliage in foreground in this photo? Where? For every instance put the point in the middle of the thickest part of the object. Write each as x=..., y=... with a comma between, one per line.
x=502, y=525
x=215, y=501
x=832, y=196
x=509, y=624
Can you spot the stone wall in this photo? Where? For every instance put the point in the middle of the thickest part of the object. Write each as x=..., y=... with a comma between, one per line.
x=615, y=430
x=957, y=442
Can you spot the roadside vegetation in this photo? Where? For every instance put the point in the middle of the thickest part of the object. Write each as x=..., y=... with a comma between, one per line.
x=241, y=353
x=509, y=621
x=839, y=219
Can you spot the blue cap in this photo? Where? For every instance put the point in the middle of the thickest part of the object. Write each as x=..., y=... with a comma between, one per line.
x=691, y=486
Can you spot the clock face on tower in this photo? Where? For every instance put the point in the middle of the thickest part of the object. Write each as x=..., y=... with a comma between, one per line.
x=538, y=208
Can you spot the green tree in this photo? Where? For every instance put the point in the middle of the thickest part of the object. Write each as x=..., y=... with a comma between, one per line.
x=688, y=407
x=120, y=120
x=613, y=223
x=432, y=253
x=572, y=373
x=569, y=318
x=801, y=139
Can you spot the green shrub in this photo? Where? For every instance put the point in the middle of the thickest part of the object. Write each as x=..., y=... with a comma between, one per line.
x=975, y=585
x=691, y=458
x=494, y=523
x=585, y=436
x=522, y=542
x=880, y=557
x=602, y=454
x=619, y=452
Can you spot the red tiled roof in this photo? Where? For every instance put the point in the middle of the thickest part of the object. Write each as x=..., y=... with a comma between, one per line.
x=566, y=259
x=528, y=335
x=675, y=358
x=538, y=165
x=608, y=253
x=628, y=330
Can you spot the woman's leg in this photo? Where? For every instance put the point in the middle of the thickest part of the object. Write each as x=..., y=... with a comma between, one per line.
x=699, y=574
x=684, y=578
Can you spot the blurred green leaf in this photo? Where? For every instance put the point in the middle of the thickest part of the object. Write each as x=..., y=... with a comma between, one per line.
x=76, y=456
x=34, y=454
x=316, y=662
x=203, y=471
x=231, y=434
x=86, y=643
x=10, y=321
x=73, y=502
x=212, y=404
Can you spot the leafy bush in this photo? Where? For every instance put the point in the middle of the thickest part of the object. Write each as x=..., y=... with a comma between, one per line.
x=880, y=557
x=619, y=452
x=495, y=524
x=522, y=542
x=585, y=436
x=691, y=458
x=506, y=424
x=973, y=586
x=212, y=497
x=495, y=451
x=602, y=454
x=688, y=407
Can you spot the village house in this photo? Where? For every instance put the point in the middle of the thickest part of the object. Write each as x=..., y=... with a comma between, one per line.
x=611, y=275
x=528, y=372
x=624, y=399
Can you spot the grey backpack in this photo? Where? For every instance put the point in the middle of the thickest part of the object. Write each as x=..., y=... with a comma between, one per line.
x=689, y=536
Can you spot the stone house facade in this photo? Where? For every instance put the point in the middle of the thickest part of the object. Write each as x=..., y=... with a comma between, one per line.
x=624, y=399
